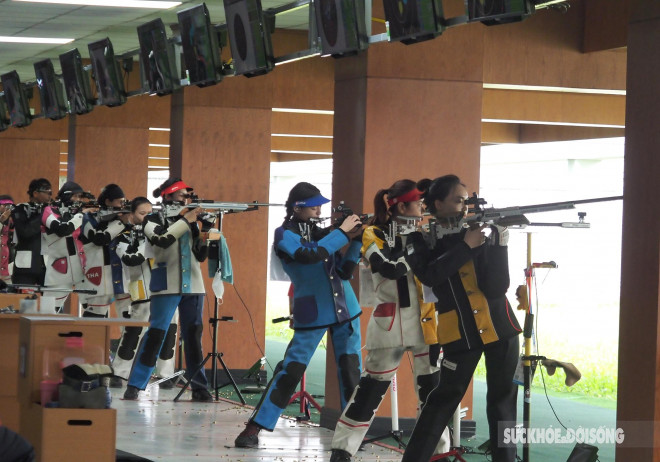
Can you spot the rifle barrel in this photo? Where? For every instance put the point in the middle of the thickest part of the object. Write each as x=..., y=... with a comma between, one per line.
x=491, y=213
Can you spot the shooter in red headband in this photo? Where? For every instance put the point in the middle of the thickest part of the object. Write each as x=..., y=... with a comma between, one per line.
x=401, y=321
x=176, y=281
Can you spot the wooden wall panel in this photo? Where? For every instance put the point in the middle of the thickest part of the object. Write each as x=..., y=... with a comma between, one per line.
x=414, y=137
x=546, y=49
x=24, y=160
x=305, y=84
x=455, y=55
x=282, y=157
x=39, y=129
x=557, y=107
x=237, y=91
x=112, y=155
x=139, y=111
x=302, y=124
x=287, y=143
x=494, y=133
x=231, y=162
x=548, y=133
x=29, y=153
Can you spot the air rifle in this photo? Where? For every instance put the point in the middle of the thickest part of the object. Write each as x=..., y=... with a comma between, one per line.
x=18, y=288
x=508, y=216
x=211, y=207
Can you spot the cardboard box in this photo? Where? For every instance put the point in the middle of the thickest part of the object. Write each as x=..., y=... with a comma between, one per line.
x=10, y=413
x=60, y=434
x=40, y=333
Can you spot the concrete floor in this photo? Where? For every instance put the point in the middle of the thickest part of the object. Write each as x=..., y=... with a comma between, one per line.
x=158, y=429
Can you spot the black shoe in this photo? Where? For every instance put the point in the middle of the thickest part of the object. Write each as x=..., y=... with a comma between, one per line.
x=131, y=393
x=116, y=382
x=167, y=385
x=249, y=437
x=339, y=455
x=202, y=395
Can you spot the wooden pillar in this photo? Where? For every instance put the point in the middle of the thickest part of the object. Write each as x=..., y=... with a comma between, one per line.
x=220, y=143
x=639, y=347
x=220, y=146
x=404, y=112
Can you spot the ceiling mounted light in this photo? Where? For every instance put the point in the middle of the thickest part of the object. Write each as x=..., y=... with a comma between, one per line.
x=57, y=41
x=111, y=3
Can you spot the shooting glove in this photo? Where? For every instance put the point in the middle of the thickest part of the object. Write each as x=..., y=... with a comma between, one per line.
x=415, y=243
x=200, y=249
x=499, y=235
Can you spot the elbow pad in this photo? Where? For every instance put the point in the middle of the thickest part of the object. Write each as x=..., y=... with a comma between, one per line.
x=133, y=259
x=308, y=256
x=63, y=229
x=163, y=241
x=101, y=239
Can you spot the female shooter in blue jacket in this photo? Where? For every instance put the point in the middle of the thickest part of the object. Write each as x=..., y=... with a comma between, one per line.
x=323, y=300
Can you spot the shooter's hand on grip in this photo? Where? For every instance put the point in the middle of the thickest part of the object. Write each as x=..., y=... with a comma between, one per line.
x=475, y=236
x=351, y=225
x=191, y=215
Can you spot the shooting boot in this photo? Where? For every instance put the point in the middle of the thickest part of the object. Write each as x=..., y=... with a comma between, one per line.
x=131, y=393
x=339, y=455
x=202, y=395
x=249, y=437
x=167, y=385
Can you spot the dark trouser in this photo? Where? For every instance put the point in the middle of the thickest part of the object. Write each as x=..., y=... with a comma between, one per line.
x=456, y=372
x=190, y=317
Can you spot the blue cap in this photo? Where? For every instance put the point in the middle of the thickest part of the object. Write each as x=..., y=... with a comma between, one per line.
x=311, y=201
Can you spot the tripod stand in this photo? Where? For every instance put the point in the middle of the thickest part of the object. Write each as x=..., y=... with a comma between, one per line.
x=305, y=400
x=213, y=356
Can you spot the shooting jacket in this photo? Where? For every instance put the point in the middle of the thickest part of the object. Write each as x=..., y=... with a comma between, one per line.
x=28, y=263
x=177, y=252
x=62, y=248
x=320, y=274
x=400, y=317
x=470, y=285
x=97, y=237
x=135, y=268
x=6, y=251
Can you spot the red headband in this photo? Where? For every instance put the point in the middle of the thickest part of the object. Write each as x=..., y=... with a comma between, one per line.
x=6, y=201
x=410, y=196
x=174, y=187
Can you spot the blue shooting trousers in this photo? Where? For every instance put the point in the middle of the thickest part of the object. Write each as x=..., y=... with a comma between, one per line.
x=190, y=317
x=346, y=346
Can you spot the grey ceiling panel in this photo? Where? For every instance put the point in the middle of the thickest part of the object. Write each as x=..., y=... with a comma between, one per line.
x=87, y=24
